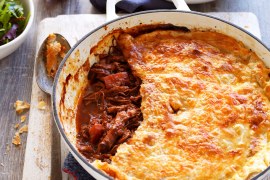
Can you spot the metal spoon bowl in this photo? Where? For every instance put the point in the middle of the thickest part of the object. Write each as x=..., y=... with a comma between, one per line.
x=44, y=81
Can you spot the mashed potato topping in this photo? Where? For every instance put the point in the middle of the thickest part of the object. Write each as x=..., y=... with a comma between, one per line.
x=205, y=105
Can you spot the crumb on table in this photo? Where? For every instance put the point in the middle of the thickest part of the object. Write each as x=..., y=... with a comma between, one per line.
x=16, y=139
x=17, y=125
x=23, y=118
x=21, y=106
x=23, y=129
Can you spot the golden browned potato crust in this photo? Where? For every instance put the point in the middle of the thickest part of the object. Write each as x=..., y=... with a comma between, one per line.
x=205, y=104
x=54, y=51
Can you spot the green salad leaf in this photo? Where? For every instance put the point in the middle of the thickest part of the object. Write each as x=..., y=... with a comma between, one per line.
x=12, y=20
x=16, y=9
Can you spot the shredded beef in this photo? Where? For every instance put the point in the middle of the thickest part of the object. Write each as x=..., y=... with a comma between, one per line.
x=109, y=109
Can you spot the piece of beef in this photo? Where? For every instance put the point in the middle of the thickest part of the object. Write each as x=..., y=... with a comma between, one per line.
x=96, y=132
x=118, y=79
x=115, y=109
x=113, y=101
x=117, y=130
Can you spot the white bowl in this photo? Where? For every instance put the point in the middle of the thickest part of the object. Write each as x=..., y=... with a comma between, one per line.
x=11, y=46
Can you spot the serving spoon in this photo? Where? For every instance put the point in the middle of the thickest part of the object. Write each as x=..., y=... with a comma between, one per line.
x=44, y=81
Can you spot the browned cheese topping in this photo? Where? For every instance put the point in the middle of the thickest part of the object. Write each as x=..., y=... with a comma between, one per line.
x=174, y=104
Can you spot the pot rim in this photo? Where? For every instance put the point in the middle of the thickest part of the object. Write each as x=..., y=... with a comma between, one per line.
x=53, y=99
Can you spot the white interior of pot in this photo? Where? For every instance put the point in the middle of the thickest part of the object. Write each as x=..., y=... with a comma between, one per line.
x=67, y=112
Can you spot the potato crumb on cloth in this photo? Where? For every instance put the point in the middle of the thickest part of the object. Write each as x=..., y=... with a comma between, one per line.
x=21, y=106
x=41, y=105
x=16, y=139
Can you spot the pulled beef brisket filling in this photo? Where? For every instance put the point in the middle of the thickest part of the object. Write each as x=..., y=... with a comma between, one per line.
x=109, y=108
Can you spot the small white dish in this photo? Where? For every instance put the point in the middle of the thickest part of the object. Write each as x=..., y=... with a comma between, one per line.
x=11, y=46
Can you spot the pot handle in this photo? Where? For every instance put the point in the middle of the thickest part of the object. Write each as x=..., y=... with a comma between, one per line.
x=111, y=15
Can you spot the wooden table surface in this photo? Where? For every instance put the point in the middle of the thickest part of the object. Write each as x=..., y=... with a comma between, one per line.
x=16, y=70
